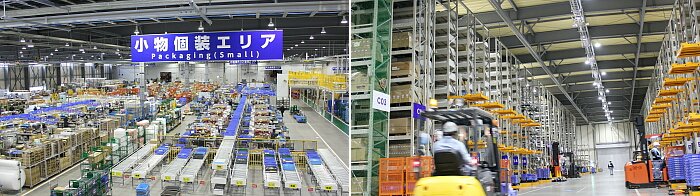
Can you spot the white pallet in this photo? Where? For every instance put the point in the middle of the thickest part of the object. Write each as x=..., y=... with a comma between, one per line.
x=128, y=163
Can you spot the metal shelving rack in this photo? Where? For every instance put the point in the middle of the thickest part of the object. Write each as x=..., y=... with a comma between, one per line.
x=671, y=104
x=371, y=22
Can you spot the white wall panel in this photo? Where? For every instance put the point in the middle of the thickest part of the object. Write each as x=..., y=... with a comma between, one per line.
x=594, y=138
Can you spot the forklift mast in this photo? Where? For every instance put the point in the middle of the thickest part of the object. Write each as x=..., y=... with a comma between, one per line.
x=641, y=132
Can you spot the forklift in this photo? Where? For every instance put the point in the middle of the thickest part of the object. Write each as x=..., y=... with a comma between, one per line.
x=642, y=171
x=447, y=173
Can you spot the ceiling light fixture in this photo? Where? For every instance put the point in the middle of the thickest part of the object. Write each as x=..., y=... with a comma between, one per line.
x=323, y=30
x=52, y=54
x=597, y=45
x=94, y=47
x=311, y=37
x=67, y=45
x=201, y=28
x=136, y=31
x=55, y=50
x=22, y=40
x=607, y=90
x=603, y=73
x=296, y=45
x=302, y=41
x=344, y=21
x=271, y=24
x=24, y=48
x=580, y=23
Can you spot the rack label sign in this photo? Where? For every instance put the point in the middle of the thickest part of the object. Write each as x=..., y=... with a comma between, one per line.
x=417, y=109
x=381, y=101
x=221, y=46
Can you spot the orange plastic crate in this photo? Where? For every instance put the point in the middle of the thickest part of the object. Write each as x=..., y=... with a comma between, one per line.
x=391, y=188
x=684, y=68
x=426, y=163
x=675, y=81
x=391, y=176
x=391, y=164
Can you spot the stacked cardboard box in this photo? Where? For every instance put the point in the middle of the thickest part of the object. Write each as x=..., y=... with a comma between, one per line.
x=399, y=69
x=401, y=40
x=359, y=82
x=401, y=93
x=358, y=149
x=399, y=126
x=361, y=48
x=33, y=175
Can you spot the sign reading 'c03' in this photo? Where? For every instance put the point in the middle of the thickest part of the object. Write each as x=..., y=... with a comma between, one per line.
x=381, y=101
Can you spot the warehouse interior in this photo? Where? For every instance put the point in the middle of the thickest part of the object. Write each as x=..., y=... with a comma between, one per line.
x=575, y=86
x=82, y=112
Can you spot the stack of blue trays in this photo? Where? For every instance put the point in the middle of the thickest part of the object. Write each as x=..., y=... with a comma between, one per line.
x=143, y=189
x=676, y=169
x=692, y=166
x=514, y=179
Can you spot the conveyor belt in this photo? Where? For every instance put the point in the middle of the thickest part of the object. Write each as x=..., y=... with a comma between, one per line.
x=323, y=177
x=239, y=174
x=271, y=171
x=145, y=168
x=172, y=172
x=289, y=171
x=219, y=180
x=340, y=171
x=131, y=161
x=222, y=159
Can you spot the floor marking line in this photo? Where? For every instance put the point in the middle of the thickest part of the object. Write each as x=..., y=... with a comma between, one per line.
x=328, y=146
x=581, y=189
x=50, y=179
x=637, y=191
x=536, y=189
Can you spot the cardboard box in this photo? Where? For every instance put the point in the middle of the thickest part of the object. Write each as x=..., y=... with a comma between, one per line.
x=401, y=69
x=401, y=40
x=401, y=94
x=361, y=48
x=399, y=125
x=358, y=149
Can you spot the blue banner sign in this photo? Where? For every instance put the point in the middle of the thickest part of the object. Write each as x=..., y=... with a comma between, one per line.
x=417, y=109
x=217, y=46
x=273, y=68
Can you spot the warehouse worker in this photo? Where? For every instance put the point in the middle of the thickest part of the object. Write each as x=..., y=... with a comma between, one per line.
x=449, y=141
x=655, y=152
x=611, y=167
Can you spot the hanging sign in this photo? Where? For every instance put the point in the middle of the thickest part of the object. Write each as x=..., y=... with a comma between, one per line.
x=380, y=101
x=223, y=46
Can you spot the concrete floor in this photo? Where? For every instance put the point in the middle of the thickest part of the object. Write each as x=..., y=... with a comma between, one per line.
x=592, y=184
x=316, y=128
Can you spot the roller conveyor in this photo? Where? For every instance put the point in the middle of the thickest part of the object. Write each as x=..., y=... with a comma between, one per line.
x=131, y=161
x=323, y=177
x=172, y=172
x=189, y=173
x=145, y=168
x=239, y=174
x=222, y=158
x=271, y=171
x=289, y=171
x=340, y=171
x=218, y=181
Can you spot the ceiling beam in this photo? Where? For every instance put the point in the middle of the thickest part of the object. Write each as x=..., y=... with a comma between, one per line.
x=606, y=50
x=642, y=12
x=602, y=65
x=596, y=32
x=502, y=14
x=563, y=9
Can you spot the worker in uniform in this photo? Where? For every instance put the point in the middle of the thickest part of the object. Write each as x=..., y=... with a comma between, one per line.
x=657, y=161
x=449, y=141
x=611, y=167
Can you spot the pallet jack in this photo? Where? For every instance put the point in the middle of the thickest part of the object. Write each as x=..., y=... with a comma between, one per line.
x=642, y=172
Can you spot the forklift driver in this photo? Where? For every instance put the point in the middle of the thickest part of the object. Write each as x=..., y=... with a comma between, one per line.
x=655, y=152
x=449, y=141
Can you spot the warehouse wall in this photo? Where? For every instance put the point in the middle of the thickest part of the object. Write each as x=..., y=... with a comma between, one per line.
x=605, y=142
